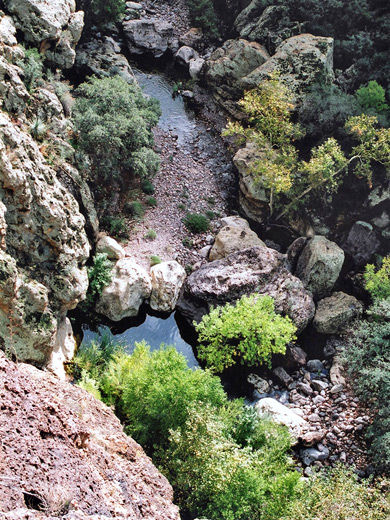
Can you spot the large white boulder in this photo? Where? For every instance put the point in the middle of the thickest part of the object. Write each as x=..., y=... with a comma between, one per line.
x=167, y=279
x=128, y=289
x=279, y=413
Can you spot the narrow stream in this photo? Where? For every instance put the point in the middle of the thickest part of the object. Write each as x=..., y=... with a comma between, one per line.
x=190, y=132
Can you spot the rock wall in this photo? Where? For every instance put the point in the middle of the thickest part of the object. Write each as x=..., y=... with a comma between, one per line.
x=66, y=455
x=43, y=244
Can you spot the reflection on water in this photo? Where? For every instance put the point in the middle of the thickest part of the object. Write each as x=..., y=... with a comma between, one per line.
x=155, y=331
x=174, y=116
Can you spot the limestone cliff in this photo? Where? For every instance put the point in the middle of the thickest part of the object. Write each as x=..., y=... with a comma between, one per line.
x=43, y=243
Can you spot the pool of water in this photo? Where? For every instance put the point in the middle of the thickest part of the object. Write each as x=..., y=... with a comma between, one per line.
x=154, y=330
x=175, y=117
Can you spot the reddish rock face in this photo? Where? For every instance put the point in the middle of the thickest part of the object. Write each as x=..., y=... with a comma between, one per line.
x=64, y=453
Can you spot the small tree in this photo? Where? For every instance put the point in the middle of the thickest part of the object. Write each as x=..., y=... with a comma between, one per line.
x=114, y=122
x=248, y=331
x=268, y=108
x=103, y=11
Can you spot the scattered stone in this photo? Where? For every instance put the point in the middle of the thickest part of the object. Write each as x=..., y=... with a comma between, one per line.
x=129, y=288
x=110, y=247
x=152, y=36
x=319, y=385
x=311, y=438
x=319, y=265
x=261, y=385
x=258, y=269
x=362, y=243
x=305, y=388
x=336, y=372
x=336, y=389
x=311, y=455
x=333, y=314
x=167, y=280
x=314, y=365
x=282, y=376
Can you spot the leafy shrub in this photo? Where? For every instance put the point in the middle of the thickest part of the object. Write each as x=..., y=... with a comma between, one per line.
x=150, y=234
x=103, y=11
x=372, y=97
x=249, y=331
x=135, y=208
x=32, y=66
x=202, y=14
x=217, y=478
x=115, y=225
x=196, y=223
x=338, y=494
x=114, y=121
x=151, y=201
x=155, y=259
x=38, y=129
x=223, y=460
x=147, y=187
x=92, y=358
x=378, y=282
x=367, y=361
x=99, y=275
x=145, y=162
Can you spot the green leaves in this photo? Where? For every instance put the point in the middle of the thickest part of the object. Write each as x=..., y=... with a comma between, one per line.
x=377, y=282
x=249, y=331
x=114, y=122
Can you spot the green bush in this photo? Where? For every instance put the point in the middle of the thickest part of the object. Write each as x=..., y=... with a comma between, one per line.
x=151, y=201
x=115, y=226
x=150, y=234
x=377, y=282
x=135, y=208
x=338, y=494
x=202, y=14
x=32, y=66
x=114, y=121
x=155, y=259
x=367, y=361
x=147, y=187
x=103, y=11
x=248, y=331
x=223, y=460
x=196, y=223
x=372, y=97
x=99, y=275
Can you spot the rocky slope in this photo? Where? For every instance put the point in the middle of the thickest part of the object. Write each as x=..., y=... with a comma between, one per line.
x=43, y=245
x=66, y=455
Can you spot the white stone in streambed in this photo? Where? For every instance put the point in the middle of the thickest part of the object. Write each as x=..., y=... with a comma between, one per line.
x=129, y=288
x=167, y=279
x=110, y=247
x=282, y=415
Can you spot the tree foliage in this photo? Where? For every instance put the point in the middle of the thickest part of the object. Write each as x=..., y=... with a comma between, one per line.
x=103, y=11
x=248, y=331
x=280, y=170
x=114, y=121
x=377, y=282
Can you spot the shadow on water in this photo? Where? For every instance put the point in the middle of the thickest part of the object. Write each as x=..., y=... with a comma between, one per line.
x=155, y=329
